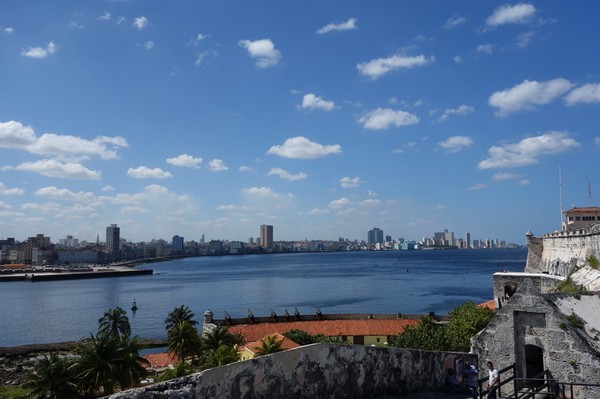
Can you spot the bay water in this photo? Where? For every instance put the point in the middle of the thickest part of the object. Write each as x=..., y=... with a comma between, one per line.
x=406, y=282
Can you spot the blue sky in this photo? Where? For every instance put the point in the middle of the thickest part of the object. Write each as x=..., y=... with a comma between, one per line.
x=322, y=118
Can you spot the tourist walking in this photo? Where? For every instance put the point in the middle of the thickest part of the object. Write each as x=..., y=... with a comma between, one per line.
x=493, y=381
x=470, y=379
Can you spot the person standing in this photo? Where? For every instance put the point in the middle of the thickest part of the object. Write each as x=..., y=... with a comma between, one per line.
x=493, y=381
x=470, y=379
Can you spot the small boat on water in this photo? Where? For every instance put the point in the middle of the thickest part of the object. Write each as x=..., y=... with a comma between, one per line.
x=134, y=306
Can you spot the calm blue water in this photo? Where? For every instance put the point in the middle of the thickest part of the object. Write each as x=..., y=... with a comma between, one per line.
x=340, y=282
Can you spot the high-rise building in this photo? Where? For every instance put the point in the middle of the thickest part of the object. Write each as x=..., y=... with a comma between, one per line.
x=178, y=245
x=113, y=238
x=468, y=240
x=266, y=235
x=375, y=236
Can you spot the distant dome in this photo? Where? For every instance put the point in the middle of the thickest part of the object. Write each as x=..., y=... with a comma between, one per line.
x=529, y=233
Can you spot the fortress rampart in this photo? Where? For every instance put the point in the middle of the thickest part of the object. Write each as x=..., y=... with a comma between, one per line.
x=560, y=252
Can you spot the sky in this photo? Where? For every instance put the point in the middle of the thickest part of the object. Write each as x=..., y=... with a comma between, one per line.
x=322, y=118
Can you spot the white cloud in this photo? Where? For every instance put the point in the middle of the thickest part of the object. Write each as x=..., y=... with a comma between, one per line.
x=455, y=21
x=589, y=94
x=462, y=110
x=478, y=186
x=485, y=48
x=310, y=101
x=141, y=23
x=263, y=50
x=371, y=202
x=350, y=182
x=226, y=208
x=511, y=14
x=506, y=176
x=245, y=169
x=383, y=118
x=440, y=207
x=318, y=212
x=40, y=52
x=185, y=160
x=597, y=140
x=217, y=165
x=65, y=194
x=133, y=209
x=284, y=174
x=104, y=17
x=350, y=24
x=15, y=135
x=144, y=172
x=54, y=168
x=75, y=25
x=149, y=45
x=9, y=30
x=527, y=95
x=380, y=66
x=10, y=191
x=457, y=59
x=456, y=143
x=527, y=151
x=524, y=182
x=339, y=203
x=107, y=189
x=4, y=205
x=525, y=38
x=302, y=148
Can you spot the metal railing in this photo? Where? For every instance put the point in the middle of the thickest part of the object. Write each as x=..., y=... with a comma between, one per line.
x=548, y=387
x=503, y=379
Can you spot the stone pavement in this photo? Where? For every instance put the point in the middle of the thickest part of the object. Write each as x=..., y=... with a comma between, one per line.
x=428, y=395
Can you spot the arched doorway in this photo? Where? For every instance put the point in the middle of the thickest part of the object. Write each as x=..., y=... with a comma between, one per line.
x=534, y=364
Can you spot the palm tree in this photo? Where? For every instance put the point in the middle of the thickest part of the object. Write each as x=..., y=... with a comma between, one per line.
x=223, y=355
x=132, y=366
x=178, y=314
x=270, y=344
x=180, y=369
x=183, y=340
x=52, y=378
x=219, y=336
x=114, y=323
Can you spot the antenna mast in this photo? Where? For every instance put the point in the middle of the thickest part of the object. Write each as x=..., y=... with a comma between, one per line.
x=590, y=191
x=561, y=195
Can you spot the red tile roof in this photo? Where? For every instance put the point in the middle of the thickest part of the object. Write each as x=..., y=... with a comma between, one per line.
x=160, y=360
x=491, y=304
x=286, y=343
x=591, y=209
x=365, y=327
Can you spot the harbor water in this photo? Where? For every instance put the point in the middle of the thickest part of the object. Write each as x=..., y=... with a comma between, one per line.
x=337, y=282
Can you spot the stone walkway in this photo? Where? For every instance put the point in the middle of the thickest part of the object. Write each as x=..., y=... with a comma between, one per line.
x=428, y=395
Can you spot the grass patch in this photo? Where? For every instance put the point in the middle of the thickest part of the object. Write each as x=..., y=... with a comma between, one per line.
x=574, y=321
x=569, y=286
x=593, y=262
x=14, y=393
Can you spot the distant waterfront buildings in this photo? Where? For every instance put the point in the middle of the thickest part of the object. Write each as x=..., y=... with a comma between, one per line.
x=113, y=240
x=266, y=235
x=375, y=236
x=178, y=246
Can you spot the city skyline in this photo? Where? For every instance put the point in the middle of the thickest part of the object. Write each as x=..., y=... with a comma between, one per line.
x=320, y=119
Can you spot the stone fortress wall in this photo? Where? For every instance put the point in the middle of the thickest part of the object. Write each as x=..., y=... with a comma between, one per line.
x=315, y=371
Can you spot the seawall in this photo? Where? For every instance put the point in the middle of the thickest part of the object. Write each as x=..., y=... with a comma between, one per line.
x=559, y=253
x=314, y=371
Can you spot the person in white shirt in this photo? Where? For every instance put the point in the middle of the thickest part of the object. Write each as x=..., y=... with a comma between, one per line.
x=493, y=381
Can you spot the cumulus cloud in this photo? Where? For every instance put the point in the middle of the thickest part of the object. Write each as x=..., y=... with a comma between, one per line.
x=527, y=95
x=141, y=23
x=104, y=17
x=478, y=186
x=318, y=212
x=371, y=202
x=462, y=110
x=245, y=169
x=65, y=194
x=54, y=168
x=588, y=94
x=144, y=172
x=263, y=50
x=302, y=148
x=383, y=118
x=455, y=21
x=107, y=188
x=456, y=143
x=525, y=38
x=10, y=191
x=506, y=176
x=311, y=101
x=40, y=52
x=350, y=24
x=185, y=160
x=485, y=49
x=15, y=135
x=284, y=174
x=226, y=207
x=350, y=182
x=217, y=165
x=259, y=191
x=339, y=203
x=511, y=14
x=381, y=66
x=527, y=151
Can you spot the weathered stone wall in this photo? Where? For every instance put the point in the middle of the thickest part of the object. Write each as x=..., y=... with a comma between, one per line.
x=562, y=251
x=314, y=371
x=529, y=319
x=507, y=283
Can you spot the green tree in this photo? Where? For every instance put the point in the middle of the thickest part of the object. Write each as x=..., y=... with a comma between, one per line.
x=52, y=378
x=269, y=344
x=180, y=369
x=179, y=314
x=219, y=336
x=466, y=321
x=132, y=367
x=301, y=337
x=221, y=356
x=426, y=335
x=114, y=323
x=183, y=340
